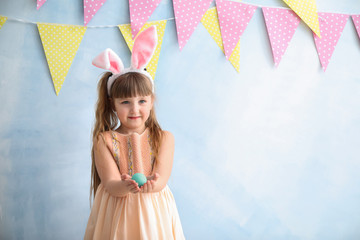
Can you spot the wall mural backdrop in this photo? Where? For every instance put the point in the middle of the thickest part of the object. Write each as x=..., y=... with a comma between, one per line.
x=261, y=95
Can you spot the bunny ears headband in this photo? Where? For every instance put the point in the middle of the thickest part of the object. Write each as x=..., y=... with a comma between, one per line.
x=143, y=50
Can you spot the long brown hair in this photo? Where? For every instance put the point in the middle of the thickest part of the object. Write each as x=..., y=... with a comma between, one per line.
x=127, y=85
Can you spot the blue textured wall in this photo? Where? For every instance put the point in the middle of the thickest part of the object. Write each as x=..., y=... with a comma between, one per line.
x=267, y=153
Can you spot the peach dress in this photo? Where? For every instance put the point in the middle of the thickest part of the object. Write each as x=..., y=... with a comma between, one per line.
x=135, y=216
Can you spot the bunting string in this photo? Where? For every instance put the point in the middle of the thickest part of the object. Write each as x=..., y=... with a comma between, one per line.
x=115, y=26
x=98, y=26
x=261, y=6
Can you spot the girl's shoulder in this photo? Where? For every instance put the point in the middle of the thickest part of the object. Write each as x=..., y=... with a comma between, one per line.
x=105, y=137
x=166, y=133
x=167, y=136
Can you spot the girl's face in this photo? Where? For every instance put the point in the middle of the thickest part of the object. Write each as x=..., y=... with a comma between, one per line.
x=133, y=112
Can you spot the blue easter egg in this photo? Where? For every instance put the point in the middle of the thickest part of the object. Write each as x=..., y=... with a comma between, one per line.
x=139, y=178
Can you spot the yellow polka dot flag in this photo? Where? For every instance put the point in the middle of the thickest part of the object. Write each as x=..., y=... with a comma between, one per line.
x=211, y=23
x=2, y=20
x=160, y=27
x=60, y=43
x=307, y=11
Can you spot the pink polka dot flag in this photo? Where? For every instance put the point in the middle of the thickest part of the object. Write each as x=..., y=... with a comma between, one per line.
x=331, y=27
x=39, y=3
x=187, y=16
x=140, y=11
x=90, y=9
x=210, y=21
x=233, y=18
x=356, y=20
x=281, y=25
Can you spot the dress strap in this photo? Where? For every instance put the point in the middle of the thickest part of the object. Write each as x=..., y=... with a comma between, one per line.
x=116, y=150
x=151, y=152
x=130, y=158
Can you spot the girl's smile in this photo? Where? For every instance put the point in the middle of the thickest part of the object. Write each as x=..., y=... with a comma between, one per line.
x=134, y=118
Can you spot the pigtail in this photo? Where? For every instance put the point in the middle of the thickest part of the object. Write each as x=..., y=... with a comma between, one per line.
x=105, y=120
x=155, y=134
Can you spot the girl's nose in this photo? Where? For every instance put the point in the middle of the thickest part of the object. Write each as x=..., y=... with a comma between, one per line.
x=134, y=108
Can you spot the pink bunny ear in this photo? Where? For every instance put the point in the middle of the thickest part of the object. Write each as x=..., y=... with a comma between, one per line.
x=108, y=60
x=144, y=48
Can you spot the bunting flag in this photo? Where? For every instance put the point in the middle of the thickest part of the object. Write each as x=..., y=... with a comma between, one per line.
x=140, y=11
x=211, y=23
x=160, y=27
x=331, y=27
x=356, y=20
x=39, y=3
x=90, y=9
x=187, y=17
x=2, y=20
x=60, y=43
x=225, y=23
x=307, y=11
x=233, y=18
x=281, y=25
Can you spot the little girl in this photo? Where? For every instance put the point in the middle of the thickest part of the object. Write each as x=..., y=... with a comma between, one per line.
x=122, y=210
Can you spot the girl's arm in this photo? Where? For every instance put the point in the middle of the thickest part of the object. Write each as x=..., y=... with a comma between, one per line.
x=163, y=167
x=108, y=171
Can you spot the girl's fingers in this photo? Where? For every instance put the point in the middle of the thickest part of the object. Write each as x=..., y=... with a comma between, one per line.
x=148, y=186
x=132, y=184
x=134, y=188
x=125, y=177
x=145, y=187
x=156, y=176
x=151, y=185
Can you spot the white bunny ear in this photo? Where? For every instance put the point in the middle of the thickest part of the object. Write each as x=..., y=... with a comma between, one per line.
x=144, y=48
x=108, y=60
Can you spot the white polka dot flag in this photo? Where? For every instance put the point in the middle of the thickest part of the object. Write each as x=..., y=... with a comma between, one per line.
x=39, y=3
x=60, y=43
x=234, y=18
x=306, y=10
x=2, y=20
x=187, y=17
x=281, y=25
x=90, y=9
x=140, y=11
x=356, y=20
x=331, y=27
x=160, y=27
x=211, y=23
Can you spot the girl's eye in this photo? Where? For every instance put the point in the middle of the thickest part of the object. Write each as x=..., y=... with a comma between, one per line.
x=125, y=102
x=142, y=101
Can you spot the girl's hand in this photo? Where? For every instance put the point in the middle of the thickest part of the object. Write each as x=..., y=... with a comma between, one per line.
x=150, y=184
x=130, y=184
